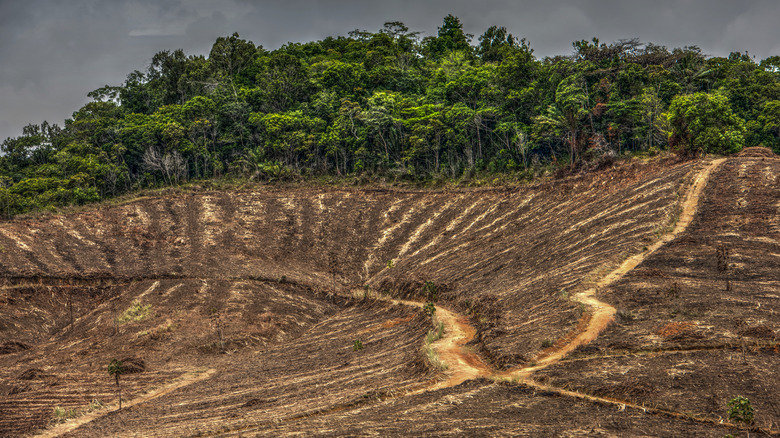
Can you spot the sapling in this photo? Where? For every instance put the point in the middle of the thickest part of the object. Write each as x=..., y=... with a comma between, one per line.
x=115, y=369
x=217, y=321
x=741, y=411
x=430, y=291
x=357, y=345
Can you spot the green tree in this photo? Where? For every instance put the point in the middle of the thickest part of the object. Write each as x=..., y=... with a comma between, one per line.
x=704, y=122
x=496, y=44
x=230, y=56
x=115, y=369
x=450, y=38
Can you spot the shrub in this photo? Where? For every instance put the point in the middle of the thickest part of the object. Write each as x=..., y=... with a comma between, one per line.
x=435, y=334
x=136, y=312
x=430, y=291
x=429, y=309
x=740, y=410
x=64, y=414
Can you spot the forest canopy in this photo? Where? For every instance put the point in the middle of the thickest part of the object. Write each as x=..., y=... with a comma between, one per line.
x=391, y=104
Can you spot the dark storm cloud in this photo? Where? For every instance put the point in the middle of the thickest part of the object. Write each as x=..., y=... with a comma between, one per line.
x=52, y=52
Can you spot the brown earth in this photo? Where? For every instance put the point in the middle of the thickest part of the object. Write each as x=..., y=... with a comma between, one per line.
x=694, y=327
x=282, y=273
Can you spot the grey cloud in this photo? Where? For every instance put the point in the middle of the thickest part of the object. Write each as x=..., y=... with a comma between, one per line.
x=52, y=52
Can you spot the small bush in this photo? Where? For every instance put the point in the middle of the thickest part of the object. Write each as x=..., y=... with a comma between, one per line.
x=435, y=334
x=547, y=343
x=430, y=291
x=429, y=309
x=64, y=414
x=740, y=410
x=136, y=312
x=95, y=405
x=626, y=315
x=433, y=357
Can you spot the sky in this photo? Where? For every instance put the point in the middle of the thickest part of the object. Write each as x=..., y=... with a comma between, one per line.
x=53, y=52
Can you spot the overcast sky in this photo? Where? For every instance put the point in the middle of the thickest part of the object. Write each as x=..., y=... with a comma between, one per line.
x=53, y=52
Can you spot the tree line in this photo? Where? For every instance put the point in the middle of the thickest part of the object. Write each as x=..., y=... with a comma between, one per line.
x=389, y=103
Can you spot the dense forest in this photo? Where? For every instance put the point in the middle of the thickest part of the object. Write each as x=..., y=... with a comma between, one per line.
x=390, y=104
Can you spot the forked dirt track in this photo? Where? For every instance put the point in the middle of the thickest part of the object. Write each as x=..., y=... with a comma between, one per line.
x=463, y=364
x=601, y=313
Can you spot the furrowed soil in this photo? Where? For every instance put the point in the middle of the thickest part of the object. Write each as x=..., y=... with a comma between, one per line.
x=241, y=309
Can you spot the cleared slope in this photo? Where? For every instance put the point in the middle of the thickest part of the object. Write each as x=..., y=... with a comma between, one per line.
x=684, y=339
x=507, y=258
x=510, y=258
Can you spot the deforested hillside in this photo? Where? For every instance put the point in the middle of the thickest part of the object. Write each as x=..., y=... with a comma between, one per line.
x=698, y=321
x=504, y=254
x=299, y=311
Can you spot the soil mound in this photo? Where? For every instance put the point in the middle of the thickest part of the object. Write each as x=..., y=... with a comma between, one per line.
x=132, y=365
x=757, y=152
x=13, y=347
x=33, y=374
x=760, y=331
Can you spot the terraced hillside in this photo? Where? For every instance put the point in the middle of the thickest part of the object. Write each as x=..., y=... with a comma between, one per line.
x=289, y=278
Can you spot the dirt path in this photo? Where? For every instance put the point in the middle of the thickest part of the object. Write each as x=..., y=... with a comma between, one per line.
x=463, y=364
x=185, y=379
x=601, y=313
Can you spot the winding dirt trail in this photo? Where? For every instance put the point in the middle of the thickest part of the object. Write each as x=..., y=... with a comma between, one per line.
x=185, y=379
x=463, y=364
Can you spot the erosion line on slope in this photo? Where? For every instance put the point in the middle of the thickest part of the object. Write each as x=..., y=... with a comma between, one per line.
x=672, y=350
x=622, y=404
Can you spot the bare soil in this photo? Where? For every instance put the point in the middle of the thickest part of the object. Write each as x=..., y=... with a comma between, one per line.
x=291, y=278
x=695, y=329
